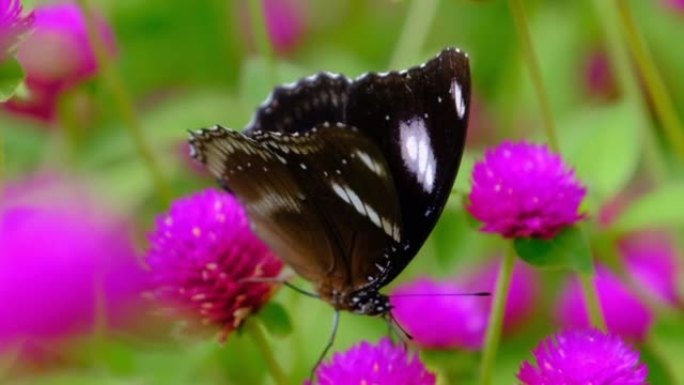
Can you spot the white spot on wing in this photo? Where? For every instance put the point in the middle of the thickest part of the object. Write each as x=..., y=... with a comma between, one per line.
x=457, y=94
x=370, y=162
x=416, y=151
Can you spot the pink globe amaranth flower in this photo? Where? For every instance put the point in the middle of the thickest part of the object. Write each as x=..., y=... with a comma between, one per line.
x=380, y=364
x=625, y=314
x=12, y=24
x=57, y=56
x=437, y=319
x=202, y=256
x=584, y=356
x=60, y=260
x=524, y=190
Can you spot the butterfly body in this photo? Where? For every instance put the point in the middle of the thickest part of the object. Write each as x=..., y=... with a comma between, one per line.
x=345, y=179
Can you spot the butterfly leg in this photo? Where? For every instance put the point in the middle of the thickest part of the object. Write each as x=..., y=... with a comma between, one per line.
x=331, y=340
x=396, y=328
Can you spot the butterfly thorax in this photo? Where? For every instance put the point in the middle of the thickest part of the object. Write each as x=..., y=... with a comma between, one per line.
x=367, y=301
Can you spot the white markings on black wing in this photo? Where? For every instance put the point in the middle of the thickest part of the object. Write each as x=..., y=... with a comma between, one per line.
x=417, y=153
x=240, y=163
x=457, y=94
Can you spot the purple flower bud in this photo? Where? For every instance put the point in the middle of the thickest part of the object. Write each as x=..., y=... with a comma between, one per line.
x=285, y=23
x=380, y=364
x=524, y=190
x=56, y=57
x=202, y=256
x=584, y=357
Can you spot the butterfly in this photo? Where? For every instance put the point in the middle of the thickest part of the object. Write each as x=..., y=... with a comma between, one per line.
x=345, y=179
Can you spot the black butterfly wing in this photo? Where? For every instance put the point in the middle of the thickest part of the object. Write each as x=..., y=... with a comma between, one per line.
x=418, y=119
x=337, y=213
x=347, y=181
x=303, y=105
x=274, y=201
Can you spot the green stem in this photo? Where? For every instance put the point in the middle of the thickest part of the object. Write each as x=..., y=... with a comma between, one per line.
x=123, y=102
x=67, y=120
x=503, y=283
x=518, y=13
x=253, y=327
x=419, y=18
x=592, y=302
x=260, y=31
x=655, y=87
x=629, y=83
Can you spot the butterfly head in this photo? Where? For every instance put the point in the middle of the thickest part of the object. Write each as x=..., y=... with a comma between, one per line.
x=369, y=302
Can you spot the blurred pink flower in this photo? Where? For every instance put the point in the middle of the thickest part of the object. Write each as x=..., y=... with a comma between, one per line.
x=599, y=78
x=652, y=261
x=440, y=321
x=56, y=57
x=524, y=190
x=676, y=4
x=60, y=256
x=381, y=364
x=202, y=255
x=437, y=320
x=285, y=23
x=624, y=312
x=12, y=24
x=584, y=357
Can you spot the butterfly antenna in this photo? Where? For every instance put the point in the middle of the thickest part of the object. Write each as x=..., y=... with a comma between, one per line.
x=331, y=340
x=277, y=281
x=301, y=291
x=473, y=294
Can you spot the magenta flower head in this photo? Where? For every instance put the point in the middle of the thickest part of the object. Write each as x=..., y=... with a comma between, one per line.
x=12, y=24
x=584, y=356
x=202, y=257
x=616, y=301
x=435, y=318
x=61, y=257
x=380, y=364
x=524, y=190
x=56, y=57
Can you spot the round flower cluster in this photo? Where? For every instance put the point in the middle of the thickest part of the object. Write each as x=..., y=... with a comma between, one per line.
x=524, y=190
x=205, y=259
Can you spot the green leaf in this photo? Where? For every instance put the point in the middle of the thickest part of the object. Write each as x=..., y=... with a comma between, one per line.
x=662, y=207
x=569, y=249
x=11, y=76
x=603, y=144
x=276, y=319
